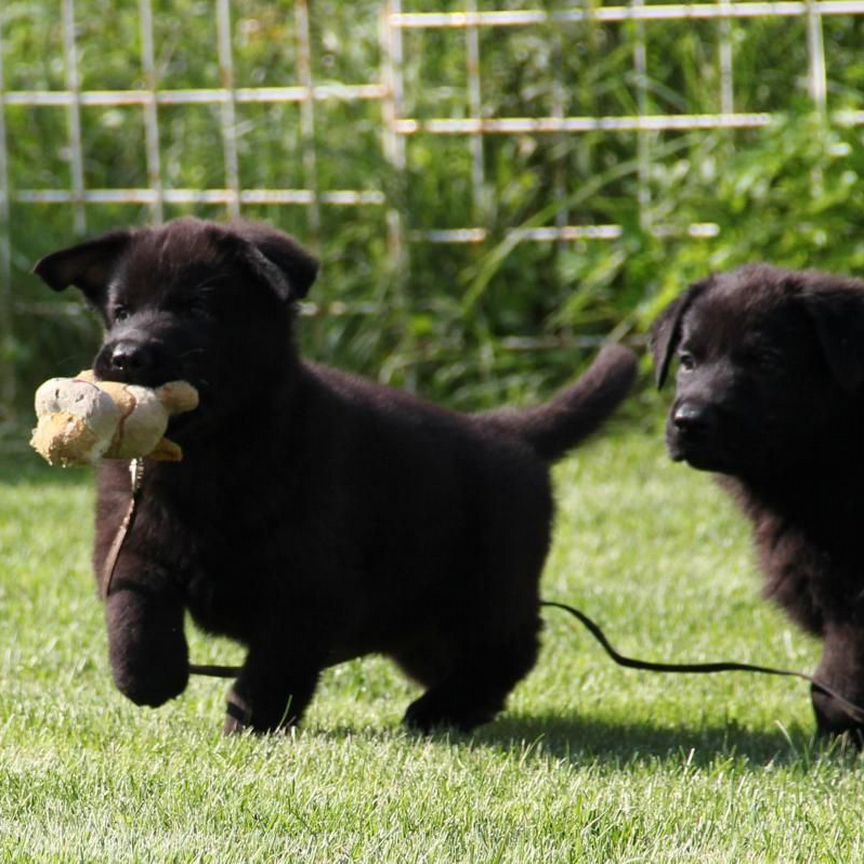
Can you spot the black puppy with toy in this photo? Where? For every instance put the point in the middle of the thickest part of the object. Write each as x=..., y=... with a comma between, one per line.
x=314, y=516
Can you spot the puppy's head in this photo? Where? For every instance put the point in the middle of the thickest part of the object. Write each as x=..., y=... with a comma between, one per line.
x=190, y=300
x=768, y=361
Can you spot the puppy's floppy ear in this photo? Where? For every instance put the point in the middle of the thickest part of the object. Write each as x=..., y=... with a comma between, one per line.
x=87, y=266
x=283, y=263
x=837, y=309
x=666, y=331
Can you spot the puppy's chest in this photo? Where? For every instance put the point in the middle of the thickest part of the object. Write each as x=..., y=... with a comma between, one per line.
x=233, y=556
x=814, y=550
x=214, y=523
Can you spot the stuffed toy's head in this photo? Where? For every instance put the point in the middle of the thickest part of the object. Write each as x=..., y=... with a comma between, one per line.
x=82, y=420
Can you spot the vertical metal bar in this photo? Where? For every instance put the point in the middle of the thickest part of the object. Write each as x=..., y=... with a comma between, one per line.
x=816, y=50
x=229, y=107
x=727, y=68
x=307, y=115
x=151, y=112
x=559, y=97
x=7, y=369
x=643, y=145
x=475, y=102
x=73, y=84
x=395, y=153
x=391, y=104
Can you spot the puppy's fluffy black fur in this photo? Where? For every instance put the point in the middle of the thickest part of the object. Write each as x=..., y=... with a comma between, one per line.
x=769, y=395
x=316, y=516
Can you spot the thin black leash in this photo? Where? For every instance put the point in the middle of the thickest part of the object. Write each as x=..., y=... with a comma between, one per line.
x=136, y=469
x=855, y=711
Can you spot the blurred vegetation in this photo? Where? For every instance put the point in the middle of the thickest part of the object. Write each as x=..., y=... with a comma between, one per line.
x=469, y=325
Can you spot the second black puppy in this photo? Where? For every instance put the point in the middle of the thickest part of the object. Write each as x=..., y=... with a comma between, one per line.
x=316, y=516
x=769, y=394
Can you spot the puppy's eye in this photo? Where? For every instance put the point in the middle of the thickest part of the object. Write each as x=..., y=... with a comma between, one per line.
x=197, y=309
x=687, y=361
x=121, y=313
x=765, y=358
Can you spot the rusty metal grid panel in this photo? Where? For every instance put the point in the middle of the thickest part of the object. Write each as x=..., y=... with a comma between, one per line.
x=388, y=90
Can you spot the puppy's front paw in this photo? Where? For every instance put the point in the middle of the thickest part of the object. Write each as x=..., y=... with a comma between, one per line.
x=834, y=720
x=149, y=654
x=150, y=685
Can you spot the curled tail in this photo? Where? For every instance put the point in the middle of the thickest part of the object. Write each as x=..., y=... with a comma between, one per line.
x=568, y=418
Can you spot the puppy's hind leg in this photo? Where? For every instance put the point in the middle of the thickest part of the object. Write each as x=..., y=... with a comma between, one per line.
x=474, y=688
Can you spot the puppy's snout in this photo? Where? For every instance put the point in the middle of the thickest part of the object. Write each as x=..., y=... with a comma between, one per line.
x=132, y=361
x=690, y=418
x=128, y=357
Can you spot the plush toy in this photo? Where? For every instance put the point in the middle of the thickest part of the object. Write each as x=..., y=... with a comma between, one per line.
x=82, y=420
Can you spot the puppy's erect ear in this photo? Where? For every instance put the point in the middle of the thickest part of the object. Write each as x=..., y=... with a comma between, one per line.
x=666, y=332
x=283, y=263
x=837, y=308
x=87, y=266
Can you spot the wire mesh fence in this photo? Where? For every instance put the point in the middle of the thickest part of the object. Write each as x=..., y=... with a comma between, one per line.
x=445, y=108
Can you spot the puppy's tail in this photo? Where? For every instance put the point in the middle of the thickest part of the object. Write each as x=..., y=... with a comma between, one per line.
x=568, y=418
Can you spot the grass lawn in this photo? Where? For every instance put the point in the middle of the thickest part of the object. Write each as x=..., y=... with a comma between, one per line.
x=590, y=762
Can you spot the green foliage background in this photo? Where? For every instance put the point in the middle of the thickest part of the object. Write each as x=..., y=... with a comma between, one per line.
x=457, y=326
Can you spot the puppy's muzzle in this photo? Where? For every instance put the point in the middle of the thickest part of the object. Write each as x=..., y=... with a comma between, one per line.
x=691, y=433
x=128, y=357
x=131, y=361
x=691, y=420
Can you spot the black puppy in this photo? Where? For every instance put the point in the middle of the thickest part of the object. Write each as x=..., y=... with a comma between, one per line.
x=769, y=394
x=316, y=516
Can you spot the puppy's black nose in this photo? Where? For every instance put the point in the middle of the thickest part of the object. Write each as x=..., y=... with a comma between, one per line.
x=128, y=357
x=690, y=418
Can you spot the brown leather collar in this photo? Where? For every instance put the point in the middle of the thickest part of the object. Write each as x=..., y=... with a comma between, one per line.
x=136, y=472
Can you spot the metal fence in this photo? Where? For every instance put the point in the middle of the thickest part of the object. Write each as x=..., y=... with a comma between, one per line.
x=396, y=126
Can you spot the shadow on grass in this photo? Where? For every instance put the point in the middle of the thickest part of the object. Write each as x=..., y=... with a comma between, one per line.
x=580, y=739
x=628, y=745
x=583, y=741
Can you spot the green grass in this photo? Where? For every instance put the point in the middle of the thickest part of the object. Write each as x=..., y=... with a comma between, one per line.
x=590, y=762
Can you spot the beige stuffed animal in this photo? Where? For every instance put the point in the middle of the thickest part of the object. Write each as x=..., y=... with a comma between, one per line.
x=82, y=420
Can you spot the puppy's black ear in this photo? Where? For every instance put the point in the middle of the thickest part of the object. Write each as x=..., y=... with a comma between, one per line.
x=87, y=266
x=666, y=331
x=281, y=260
x=837, y=308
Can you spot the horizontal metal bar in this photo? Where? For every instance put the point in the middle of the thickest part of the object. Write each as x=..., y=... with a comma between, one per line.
x=215, y=96
x=451, y=235
x=339, y=197
x=434, y=126
x=308, y=309
x=545, y=125
x=848, y=118
x=470, y=236
x=456, y=236
x=659, y=12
